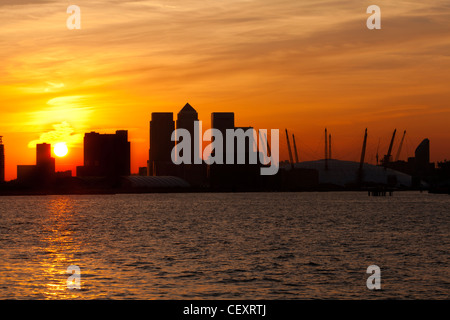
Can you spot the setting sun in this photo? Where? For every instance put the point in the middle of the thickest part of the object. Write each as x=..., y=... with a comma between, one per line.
x=60, y=149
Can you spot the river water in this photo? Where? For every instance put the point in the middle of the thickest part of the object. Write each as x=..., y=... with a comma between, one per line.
x=225, y=246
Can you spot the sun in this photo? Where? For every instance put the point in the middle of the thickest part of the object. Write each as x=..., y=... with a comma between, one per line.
x=60, y=149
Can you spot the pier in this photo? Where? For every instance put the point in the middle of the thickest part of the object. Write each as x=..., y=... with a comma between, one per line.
x=380, y=192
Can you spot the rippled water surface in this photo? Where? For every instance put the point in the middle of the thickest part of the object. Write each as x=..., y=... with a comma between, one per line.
x=225, y=246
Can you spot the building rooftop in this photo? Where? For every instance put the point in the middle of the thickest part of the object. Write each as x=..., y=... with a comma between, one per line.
x=188, y=109
x=344, y=173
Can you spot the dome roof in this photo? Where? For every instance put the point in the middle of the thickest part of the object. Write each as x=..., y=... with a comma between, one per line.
x=344, y=173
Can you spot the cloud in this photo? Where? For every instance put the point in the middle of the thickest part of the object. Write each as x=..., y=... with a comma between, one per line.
x=282, y=59
x=24, y=2
x=54, y=86
x=62, y=132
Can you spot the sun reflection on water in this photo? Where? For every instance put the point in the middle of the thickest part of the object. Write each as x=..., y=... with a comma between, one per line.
x=59, y=249
x=186, y=246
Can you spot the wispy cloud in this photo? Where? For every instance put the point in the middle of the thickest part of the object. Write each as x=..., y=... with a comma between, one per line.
x=273, y=62
x=61, y=132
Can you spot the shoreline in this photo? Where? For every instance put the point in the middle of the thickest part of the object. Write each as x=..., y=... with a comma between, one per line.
x=197, y=190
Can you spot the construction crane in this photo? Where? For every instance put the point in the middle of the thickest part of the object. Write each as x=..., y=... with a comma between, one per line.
x=2, y=160
x=400, y=146
x=295, y=149
x=329, y=147
x=363, y=155
x=268, y=146
x=378, y=148
x=387, y=158
x=289, y=149
x=265, y=141
x=326, y=150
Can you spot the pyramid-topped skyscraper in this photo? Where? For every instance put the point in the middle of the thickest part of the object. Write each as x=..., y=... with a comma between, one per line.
x=187, y=110
x=185, y=120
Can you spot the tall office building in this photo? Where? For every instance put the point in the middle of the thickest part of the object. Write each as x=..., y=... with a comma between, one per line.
x=43, y=171
x=234, y=176
x=194, y=173
x=249, y=149
x=222, y=175
x=185, y=120
x=422, y=158
x=222, y=121
x=160, y=153
x=106, y=155
x=2, y=160
x=422, y=154
x=45, y=164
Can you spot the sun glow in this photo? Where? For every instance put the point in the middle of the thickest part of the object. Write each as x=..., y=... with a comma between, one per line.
x=60, y=149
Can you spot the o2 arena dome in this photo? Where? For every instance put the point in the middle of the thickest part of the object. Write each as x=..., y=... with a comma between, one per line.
x=344, y=173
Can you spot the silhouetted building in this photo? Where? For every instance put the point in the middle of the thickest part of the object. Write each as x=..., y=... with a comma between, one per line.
x=161, y=145
x=222, y=121
x=194, y=173
x=26, y=173
x=221, y=175
x=185, y=120
x=43, y=172
x=422, y=158
x=143, y=171
x=443, y=169
x=106, y=155
x=419, y=166
x=249, y=149
x=2, y=160
x=238, y=175
x=246, y=175
x=45, y=164
x=63, y=174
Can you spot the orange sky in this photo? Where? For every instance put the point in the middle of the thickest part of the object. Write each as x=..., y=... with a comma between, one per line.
x=301, y=65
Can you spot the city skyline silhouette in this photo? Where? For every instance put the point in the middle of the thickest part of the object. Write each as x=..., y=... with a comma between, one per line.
x=212, y=152
x=304, y=74
x=108, y=156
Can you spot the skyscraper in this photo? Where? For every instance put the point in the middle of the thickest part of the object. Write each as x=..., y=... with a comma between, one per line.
x=185, y=120
x=223, y=121
x=160, y=160
x=43, y=172
x=194, y=173
x=422, y=158
x=45, y=164
x=2, y=160
x=106, y=155
x=222, y=175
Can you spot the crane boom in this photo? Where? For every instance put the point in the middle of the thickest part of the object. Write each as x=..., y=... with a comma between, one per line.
x=326, y=150
x=363, y=151
x=378, y=148
x=329, y=147
x=387, y=158
x=289, y=148
x=264, y=141
x=400, y=146
x=361, y=162
x=295, y=149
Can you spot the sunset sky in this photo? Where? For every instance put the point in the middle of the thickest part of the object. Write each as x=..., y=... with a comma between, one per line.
x=302, y=65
